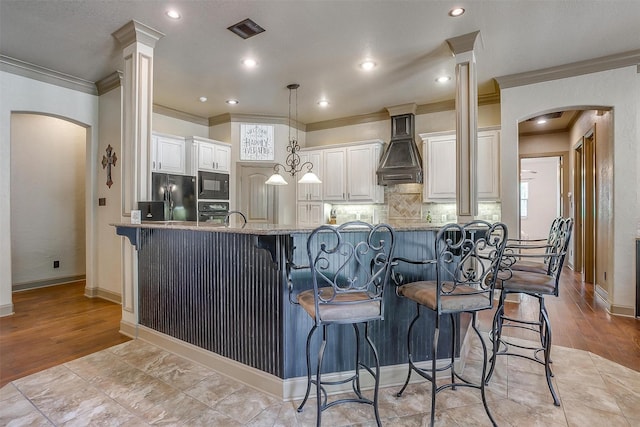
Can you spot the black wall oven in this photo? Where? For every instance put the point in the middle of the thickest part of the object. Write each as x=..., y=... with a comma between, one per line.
x=213, y=185
x=212, y=211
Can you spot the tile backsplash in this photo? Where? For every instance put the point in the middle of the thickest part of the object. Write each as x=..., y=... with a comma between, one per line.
x=404, y=202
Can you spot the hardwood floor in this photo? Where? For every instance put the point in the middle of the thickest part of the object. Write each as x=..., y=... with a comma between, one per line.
x=579, y=320
x=54, y=325
x=58, y=324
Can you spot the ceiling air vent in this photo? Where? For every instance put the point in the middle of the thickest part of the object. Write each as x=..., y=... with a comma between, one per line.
x=246, y=28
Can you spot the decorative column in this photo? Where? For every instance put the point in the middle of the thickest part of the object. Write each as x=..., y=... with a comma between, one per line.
x=466, y=126
x=137, y=41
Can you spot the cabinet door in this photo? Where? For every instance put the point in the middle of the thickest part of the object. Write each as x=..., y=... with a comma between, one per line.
x=206, y=155
x=170, y=155
x=310, y=213
x=222, y=158
x=440, y=165
x=310, y=191
x=489, y=165
x=334, y=182
x=361, y=166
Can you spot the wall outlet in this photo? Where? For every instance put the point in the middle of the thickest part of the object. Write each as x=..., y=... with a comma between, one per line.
x=56, y=264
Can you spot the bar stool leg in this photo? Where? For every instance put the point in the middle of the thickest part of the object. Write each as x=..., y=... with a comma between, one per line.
x=474, y=325
x=319, y=388
x=413, y=322
x=306, y=395
x=496, y=332
x=547, y=351
x=377, y=376
x=434, y=369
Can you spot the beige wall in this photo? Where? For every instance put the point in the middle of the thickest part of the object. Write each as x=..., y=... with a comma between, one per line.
x=47, y=198
x=619, y=89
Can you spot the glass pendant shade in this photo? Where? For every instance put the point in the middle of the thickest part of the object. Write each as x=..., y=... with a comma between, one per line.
x=309, y=178
x=276, y=179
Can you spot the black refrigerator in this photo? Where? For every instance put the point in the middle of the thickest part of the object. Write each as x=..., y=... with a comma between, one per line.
x=178, y=192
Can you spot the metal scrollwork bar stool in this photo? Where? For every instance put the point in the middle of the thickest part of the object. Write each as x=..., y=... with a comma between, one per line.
x=350, y=266
x=228, y=215
x=536, y=275
x=467, y=260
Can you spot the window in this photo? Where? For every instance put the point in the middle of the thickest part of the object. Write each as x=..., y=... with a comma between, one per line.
x=524, y=199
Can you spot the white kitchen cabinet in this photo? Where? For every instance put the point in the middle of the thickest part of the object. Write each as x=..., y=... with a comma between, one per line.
x=308, y=192
x=440, y=166
x=310, y=213
x=350, y=173
x=168, y=154
x=213, y=156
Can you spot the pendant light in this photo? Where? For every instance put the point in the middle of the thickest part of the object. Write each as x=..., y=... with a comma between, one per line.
x=292, y=162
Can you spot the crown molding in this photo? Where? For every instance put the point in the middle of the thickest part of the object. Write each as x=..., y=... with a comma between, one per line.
x=255, y=118
x=36, y=72
x=180, y=115
x=112, y=81
x=573, y=69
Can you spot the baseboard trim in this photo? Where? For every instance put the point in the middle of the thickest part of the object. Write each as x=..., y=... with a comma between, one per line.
x=18, y=287
x=128, y=329
x=603, y=295
x=6, y=310
x=622, y=310
x=284, y=389
x=103, y=294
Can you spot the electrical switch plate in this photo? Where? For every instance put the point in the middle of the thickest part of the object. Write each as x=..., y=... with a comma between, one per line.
x=102, y=201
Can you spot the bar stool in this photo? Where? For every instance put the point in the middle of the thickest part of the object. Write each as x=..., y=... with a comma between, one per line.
x=537, y=284
x=350, y=266
x=467, y=259
x=228, y=215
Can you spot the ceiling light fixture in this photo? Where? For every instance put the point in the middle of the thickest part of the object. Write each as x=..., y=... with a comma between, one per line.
x=443, y=79
x=173, y=14
x=203, y=99
x=323, y=103
x=249, y=62
x=293, y=165
x=456, y=11
x=232, y=101
x=368, y=65
x=541, y=121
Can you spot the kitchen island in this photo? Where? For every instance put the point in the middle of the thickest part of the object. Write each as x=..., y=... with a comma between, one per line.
x=222, y=296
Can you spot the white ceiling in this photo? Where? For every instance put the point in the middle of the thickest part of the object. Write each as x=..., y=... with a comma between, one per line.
x=316, y=43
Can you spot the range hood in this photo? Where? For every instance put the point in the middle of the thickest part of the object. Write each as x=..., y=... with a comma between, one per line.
x=401, y=162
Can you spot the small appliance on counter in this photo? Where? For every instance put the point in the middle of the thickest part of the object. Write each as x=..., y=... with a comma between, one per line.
x=212, y=211
x=153, y=211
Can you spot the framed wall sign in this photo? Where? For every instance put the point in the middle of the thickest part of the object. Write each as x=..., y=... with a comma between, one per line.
x=256, y=142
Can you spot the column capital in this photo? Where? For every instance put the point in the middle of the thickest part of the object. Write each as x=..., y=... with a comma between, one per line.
x=462, y=44
x=134, y=31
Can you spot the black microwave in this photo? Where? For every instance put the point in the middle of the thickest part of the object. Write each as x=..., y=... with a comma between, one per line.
x=213, y=185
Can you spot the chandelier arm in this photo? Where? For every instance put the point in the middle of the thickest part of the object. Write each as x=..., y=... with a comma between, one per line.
x=309, y=166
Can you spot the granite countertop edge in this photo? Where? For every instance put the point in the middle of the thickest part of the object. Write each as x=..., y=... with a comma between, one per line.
x=261, y=229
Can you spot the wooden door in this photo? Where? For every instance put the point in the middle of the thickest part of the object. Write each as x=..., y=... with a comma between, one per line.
x=257, y=200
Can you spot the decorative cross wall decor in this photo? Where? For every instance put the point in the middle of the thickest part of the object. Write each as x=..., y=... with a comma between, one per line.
x=108, y=161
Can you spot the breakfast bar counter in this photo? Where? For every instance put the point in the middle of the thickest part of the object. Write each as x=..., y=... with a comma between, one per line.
x=223, y=295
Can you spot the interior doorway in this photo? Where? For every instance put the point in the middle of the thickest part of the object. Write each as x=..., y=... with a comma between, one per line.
x=257, y=200
x=540, y=195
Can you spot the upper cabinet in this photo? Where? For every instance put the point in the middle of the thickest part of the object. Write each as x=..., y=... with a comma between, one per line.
x=168, y=154
x=311, y=192
x=439, y=152
x=213, y=155
x=349, y=173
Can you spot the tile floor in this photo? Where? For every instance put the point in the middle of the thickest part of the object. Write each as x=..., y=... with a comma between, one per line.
x=137, y=384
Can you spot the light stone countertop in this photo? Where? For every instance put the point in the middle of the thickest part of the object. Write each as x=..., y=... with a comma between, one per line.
x=263, y=229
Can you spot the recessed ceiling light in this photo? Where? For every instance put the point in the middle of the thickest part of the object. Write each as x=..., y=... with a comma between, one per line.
x=203, y=99
x=249, y=62
x=443, y=79
x=456, y=11
x=173, y=14
x=368, y=65
x=323, y=103
x=541, y=121
x=232, y=101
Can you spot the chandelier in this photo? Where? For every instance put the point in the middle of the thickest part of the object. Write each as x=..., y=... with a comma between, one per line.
x=293, y=161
